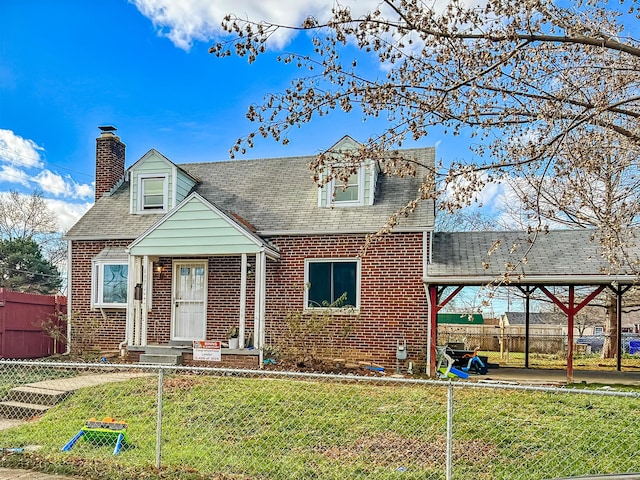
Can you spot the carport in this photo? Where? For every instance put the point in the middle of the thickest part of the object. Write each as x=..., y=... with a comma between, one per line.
x=529, y=263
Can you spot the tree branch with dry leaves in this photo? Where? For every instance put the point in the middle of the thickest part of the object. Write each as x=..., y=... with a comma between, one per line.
x=549, y=92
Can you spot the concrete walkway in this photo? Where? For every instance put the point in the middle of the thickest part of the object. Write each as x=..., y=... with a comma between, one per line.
x=68, y=385
x=536, y=376
x=65, y=386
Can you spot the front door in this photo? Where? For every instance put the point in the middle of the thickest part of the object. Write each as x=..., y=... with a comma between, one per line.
x=189, y=300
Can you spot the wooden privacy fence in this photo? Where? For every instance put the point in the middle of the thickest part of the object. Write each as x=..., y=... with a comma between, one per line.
x=26, y=321
x=542, y=338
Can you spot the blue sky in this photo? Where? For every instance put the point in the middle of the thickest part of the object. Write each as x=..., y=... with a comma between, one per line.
x=68, y=66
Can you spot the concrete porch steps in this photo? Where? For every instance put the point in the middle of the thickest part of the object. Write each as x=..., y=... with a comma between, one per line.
x=38, y=395
x=29, y=401
x=34, y=399
x=21, y=410
x=157, y=359
x=163, y=354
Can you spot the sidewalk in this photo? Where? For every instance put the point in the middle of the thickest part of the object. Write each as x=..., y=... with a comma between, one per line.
x=19, y=474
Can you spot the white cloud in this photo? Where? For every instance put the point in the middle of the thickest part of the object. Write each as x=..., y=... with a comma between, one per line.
x=83, y=190
x=67, y=213
x=186, y=21
x=12, y=174
x=19, y=151
x=52, y=183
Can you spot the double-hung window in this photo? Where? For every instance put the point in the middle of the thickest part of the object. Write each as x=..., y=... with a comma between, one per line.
x=152, y=193
x=109, y=284
x=349, y=193
x=332, y=283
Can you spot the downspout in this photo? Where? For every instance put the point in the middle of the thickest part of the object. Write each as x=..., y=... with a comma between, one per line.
x=68, y=348
x=427, y=247
x=429, y=306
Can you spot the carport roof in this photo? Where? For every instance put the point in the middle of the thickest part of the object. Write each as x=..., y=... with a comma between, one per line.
x=560, y=257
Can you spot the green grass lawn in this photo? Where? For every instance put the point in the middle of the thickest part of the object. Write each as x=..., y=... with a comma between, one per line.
x=265, y=428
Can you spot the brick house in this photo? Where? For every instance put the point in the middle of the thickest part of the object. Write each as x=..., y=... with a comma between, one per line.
x=170, y=253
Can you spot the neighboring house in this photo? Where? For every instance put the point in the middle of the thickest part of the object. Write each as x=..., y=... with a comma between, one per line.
x=592, y=323
x=550, y=319
x=173, y=253
x=461, y=318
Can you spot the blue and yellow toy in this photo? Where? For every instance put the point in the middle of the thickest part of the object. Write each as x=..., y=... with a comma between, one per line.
x=105, y=432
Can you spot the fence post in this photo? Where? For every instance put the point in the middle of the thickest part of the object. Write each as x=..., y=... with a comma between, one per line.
x=449, y=461
x=159, y=425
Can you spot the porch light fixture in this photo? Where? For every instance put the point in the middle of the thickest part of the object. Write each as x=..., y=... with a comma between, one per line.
x=159, y=270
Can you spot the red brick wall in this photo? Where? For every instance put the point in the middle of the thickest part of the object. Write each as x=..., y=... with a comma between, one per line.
x=111, y=327
x=110, y=158
x=392, y=297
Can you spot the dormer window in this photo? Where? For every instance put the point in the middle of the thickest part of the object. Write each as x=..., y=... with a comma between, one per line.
x=153, y=193
x=349, y=194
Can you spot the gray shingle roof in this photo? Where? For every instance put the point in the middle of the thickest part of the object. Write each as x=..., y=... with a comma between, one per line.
x=109, y=218
x=536, y=318
x=275, y=195
x=557, y=253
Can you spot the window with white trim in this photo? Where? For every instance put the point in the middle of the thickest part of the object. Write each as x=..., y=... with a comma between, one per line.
x=598, y=330
x=109, y=284
x=153, y=193
x=350, y=193
x=332, y=283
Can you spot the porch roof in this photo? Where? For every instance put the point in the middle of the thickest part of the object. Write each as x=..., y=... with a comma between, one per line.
x=559, y=257
x=196, y=227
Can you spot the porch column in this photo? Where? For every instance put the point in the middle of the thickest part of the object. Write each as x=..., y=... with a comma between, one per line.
x=570, y=322
x=243, y=299
x=259, y=308
x=263, y=296
x=256, y=307
x=133, y=326
x=147, y=272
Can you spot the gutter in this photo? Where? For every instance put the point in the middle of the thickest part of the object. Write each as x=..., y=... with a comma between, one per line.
x=345, y=231
x=479, y=280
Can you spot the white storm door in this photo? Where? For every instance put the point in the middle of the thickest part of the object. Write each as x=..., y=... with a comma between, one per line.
x=189, y=301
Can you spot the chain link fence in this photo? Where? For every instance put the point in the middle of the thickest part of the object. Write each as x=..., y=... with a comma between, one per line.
x=121, y=421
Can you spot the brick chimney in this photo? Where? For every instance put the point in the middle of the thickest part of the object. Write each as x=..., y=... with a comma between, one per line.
x=110, y=158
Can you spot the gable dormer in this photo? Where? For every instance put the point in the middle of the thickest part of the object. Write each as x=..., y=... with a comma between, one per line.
x=157, y=184
x=359, y=189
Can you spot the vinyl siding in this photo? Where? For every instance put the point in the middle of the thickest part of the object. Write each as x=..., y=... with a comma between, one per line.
x=195, y=229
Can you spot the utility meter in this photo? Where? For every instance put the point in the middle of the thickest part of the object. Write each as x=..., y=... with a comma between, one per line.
x=401, y=349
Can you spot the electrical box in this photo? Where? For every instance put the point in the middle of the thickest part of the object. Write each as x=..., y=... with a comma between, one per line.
x=401, y=349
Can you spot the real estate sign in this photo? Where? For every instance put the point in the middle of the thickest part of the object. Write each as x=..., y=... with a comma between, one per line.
x=207, y=350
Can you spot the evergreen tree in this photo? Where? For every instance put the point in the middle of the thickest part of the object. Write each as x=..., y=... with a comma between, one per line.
x=24, y=269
